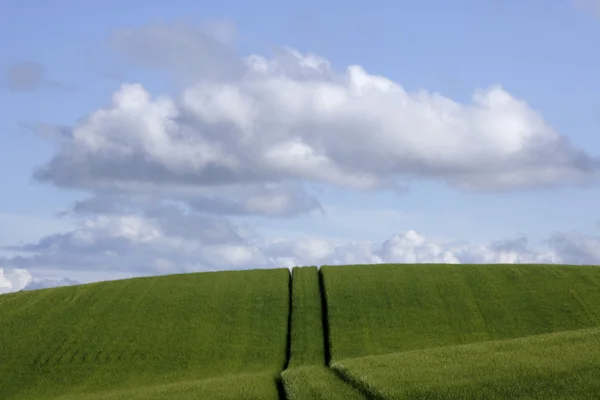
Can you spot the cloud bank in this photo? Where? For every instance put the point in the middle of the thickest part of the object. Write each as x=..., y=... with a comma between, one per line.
x=171, y=240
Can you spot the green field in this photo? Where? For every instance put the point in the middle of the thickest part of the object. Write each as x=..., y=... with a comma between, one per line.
x=144, y=333
x=307, y=346
x=344, y=332
x=256, y=386
x=317, y=383
x=563, y=365
x=383, y=309
x=307, y=376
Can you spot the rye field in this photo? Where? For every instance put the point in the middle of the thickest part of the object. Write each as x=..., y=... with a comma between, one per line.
x=207, y=335
x=336, y=332
x=466, y=331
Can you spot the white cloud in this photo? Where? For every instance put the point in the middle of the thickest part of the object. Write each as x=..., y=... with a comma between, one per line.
x=160, y=243
x=246, y=143
x=250, y=135
x=17, y=279
x=13, y=280
x=412, y=247
x=136, y=246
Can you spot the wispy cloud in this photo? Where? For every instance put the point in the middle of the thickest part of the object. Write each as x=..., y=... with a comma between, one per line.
x=31, y=76
x=588, y=5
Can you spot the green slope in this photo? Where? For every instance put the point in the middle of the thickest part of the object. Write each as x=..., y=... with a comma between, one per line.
x=307, y=345
x=144, y=332
x=400, y=331
x=307, y=377
x=257, y=386
x=383, y=309
x=316, y=382
x=563, y=365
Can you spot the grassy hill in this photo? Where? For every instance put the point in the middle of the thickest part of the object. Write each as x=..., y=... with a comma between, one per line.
x=307, y=375
x=384, y=309
x=344, y=332
x=564, y=365
x=159, y=335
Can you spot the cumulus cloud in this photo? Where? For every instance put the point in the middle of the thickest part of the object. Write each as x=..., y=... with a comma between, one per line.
x=292, y=118
x=28, y=76
x=18, y=279
x=13, y=280
x=166, y=175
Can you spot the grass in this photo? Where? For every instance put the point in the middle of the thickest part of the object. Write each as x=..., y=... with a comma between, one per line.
x=307, y=345
x=257, y=386
x=145, y=332
x=561, y=365
x=390, y=332
x=307, y=376
x=383, y=309
x=317, y=382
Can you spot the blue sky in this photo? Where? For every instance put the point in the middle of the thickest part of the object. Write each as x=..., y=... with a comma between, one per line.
x=467, y=194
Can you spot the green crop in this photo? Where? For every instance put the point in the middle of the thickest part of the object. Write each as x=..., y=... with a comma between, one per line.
x=563, y=365
x=307, y=346
x=346, y=332
x=307, y=376
x=317, y=383
x=144, y=332
x=384, y=309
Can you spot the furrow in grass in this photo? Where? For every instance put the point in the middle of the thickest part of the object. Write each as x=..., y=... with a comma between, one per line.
x=288, y=340
x=361, y=386
x=307, y=376
x=307, y=346
x=324, y=319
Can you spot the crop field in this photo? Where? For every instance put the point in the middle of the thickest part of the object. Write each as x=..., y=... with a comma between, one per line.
x=307, y=376
x=146, y=332
x=307, y=345
x=383, y=309
x=256, y=386
x=563, y=365
x=339, y=332
x=317, y=382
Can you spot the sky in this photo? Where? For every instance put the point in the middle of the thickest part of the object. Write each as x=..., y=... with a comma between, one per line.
x=148, y=138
